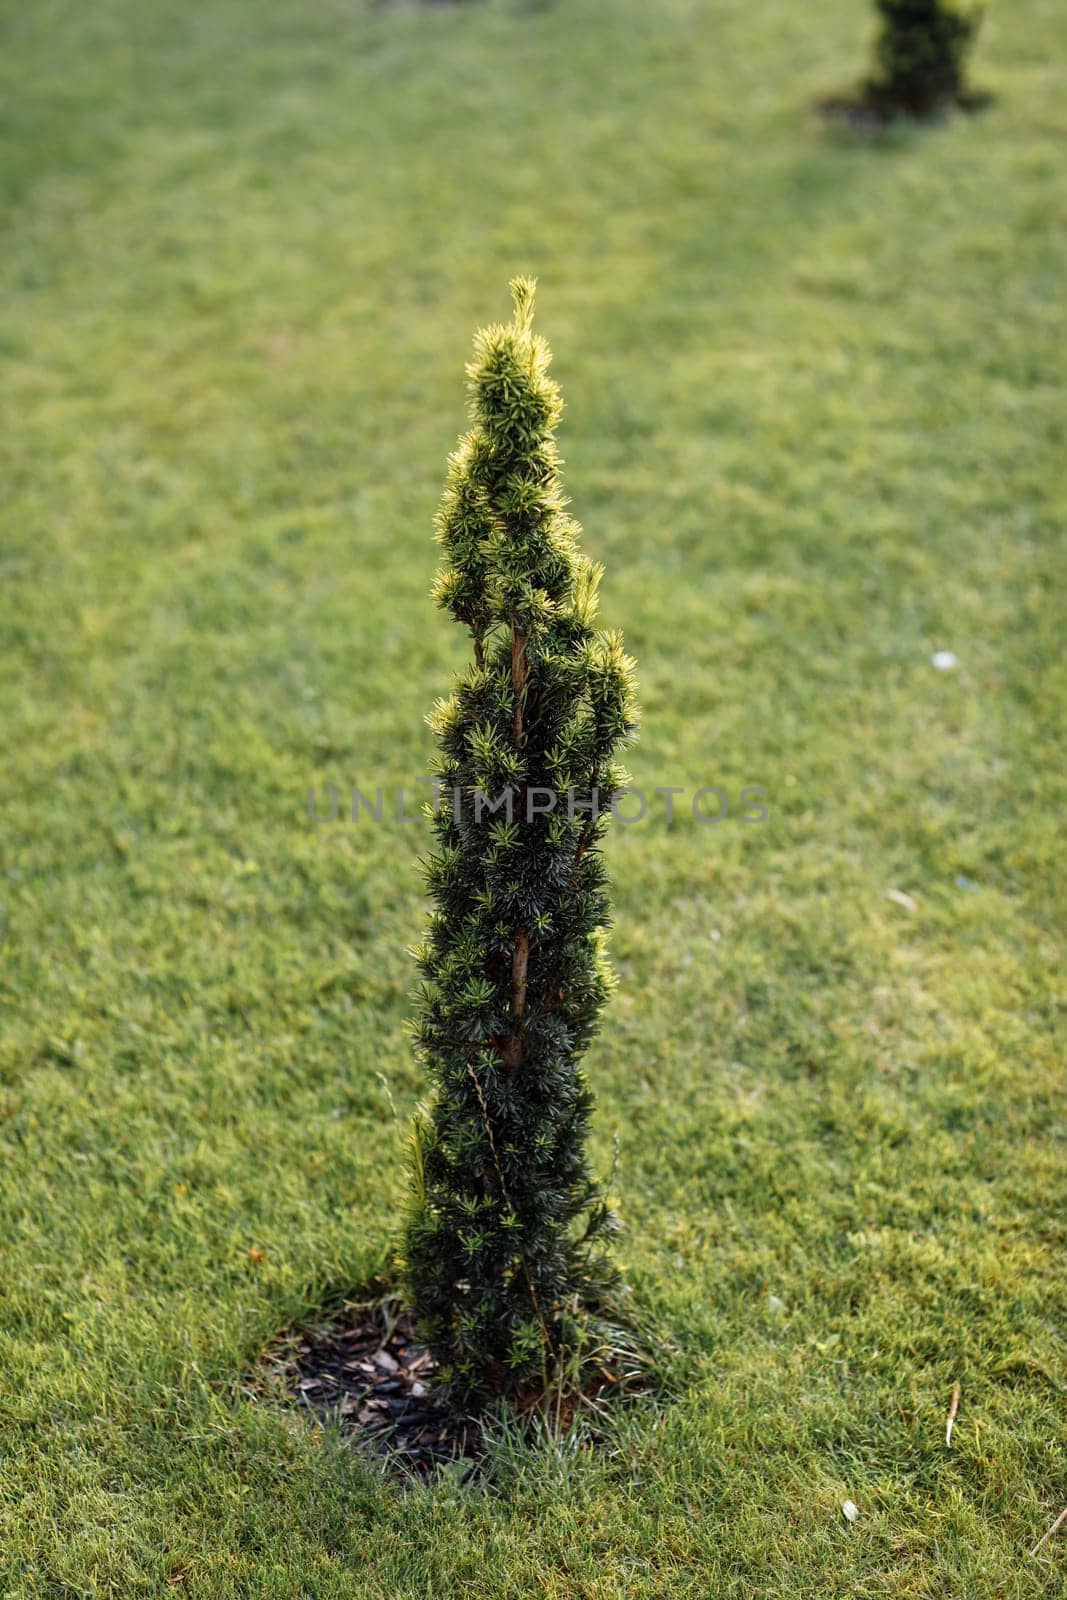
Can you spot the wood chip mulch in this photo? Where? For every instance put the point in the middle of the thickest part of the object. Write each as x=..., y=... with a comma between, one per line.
x=369, y=1372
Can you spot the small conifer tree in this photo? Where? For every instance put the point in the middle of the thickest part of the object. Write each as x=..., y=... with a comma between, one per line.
x=921, y=53
x=505, y=1248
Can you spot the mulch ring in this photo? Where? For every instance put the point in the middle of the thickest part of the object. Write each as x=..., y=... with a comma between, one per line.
x=368, y=1373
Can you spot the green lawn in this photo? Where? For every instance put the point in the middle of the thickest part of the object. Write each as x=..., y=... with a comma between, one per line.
x=814, y=430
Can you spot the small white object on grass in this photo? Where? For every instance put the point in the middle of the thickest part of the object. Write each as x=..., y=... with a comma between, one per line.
x=944, y=660
x=851, y=1510
x=776, y=1304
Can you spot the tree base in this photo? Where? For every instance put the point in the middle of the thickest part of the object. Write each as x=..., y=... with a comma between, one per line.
x=872, y=107
x=366, y=1373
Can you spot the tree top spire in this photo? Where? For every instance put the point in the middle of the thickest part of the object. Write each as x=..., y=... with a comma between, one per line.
x=523, y=291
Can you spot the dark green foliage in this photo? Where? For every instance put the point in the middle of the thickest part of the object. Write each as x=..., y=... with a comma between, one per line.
x=505, y=1244
x=921, y=53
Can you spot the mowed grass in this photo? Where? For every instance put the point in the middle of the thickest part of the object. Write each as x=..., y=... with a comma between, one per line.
x=814, y=430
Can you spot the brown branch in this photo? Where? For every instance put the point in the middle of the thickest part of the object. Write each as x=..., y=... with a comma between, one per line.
x=518, y=677
x=1060, y=1520
x=518, y=974
x=511, y=1054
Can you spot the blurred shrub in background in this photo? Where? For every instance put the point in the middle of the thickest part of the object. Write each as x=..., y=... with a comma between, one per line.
x=921, y=53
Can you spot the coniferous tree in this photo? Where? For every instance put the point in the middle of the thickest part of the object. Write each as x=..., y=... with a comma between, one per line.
x=505, y=1248
x=921, y=53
